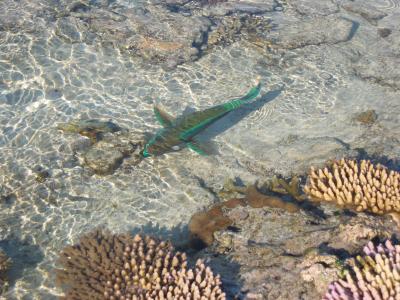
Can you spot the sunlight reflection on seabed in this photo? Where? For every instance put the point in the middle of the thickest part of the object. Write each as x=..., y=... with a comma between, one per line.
x=53, y=70
x=387, y=4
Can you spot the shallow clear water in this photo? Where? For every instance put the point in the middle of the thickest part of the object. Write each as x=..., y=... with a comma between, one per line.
x=308, y=99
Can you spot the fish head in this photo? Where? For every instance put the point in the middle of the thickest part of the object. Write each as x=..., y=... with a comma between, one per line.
x=159, y=145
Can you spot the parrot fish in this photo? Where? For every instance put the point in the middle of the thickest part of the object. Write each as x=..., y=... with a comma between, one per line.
x=180, y=132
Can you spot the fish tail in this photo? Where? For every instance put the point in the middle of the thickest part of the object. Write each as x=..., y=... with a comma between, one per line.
x=253, y=93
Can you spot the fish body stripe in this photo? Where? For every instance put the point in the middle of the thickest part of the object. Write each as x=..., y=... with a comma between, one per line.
x=184, y=128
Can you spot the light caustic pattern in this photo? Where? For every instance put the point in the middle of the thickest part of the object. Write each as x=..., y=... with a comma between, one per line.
x=45, y=80
x=387, y=4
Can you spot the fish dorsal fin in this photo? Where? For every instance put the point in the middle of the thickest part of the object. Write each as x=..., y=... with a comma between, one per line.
x=162, y=116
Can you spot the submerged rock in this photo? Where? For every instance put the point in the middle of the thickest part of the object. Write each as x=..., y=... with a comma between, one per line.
x=380, y=64
x=67, y=30
x=319, y=269
x=365, y=10
x=381, y=70
x=109, y=144
x=314, y=8
x=103, y=158
x=24, y=16
x=317, y=31
x=169, y=34
x=225, y=8
x=92, y=128
x=294, y=255
x=152, y=32
x=107, y=155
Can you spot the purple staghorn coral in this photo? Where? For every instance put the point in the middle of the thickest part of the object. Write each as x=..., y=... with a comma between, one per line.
x=375, y=276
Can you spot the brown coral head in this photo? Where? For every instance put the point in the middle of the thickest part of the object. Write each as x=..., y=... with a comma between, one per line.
x=202, y=226
x=108, y=266
x=372, y=276
x=362, y=186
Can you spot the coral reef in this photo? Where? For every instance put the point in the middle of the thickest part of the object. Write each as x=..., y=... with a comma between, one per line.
x=292, y=256
x=5, y=263
x=202, y=225
x=372, y=276
x=357, y=185
x=107, y=266
x=318, y=269
x=152, y=33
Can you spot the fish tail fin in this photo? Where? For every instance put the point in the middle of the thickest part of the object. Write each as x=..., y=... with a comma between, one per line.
x=252, y=94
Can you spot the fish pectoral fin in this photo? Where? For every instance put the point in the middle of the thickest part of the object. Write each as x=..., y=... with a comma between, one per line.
x=164, y=118
x=196, y=147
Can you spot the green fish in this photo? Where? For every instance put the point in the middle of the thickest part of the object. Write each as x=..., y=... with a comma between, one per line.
x=180, y=132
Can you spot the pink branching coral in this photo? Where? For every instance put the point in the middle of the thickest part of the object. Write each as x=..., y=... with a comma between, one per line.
x=107, y=266
x=375, y=276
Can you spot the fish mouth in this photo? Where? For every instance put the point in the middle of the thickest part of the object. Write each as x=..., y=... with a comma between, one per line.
x=144, y=153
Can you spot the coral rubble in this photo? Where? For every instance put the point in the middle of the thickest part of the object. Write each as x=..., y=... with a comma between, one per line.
x=372, y=276
x=362, y=186
x=107, y=266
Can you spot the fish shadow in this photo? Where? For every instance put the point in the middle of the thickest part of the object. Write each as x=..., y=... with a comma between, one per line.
x=236, y=116
x=25, y=256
